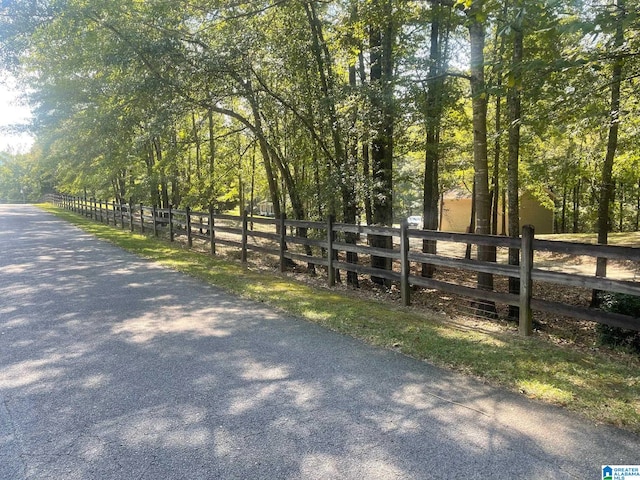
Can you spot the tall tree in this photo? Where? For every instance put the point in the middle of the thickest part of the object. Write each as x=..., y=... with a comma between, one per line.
x=433, y=114
x=607, y=184
x=381, y=43
x=514, y=105
x=476, y=24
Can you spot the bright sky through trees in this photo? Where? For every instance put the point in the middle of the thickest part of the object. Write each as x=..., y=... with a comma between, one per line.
x=13, y=114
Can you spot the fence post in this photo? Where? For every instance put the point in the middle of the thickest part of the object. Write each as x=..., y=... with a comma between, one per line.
x=189, y=237
x=405, y=289
x=526, y=265
x=331, y=272
x=212, y=233
x=141, y=219
x=154, y=214
x=170, y=224
x=283, y=242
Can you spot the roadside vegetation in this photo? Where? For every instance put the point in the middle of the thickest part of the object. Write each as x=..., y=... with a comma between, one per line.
x=602, y=385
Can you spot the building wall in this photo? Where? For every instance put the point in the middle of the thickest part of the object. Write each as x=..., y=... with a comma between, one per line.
x=533, y=213
x=456, y=214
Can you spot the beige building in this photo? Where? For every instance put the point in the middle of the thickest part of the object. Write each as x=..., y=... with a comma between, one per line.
x=455, y=212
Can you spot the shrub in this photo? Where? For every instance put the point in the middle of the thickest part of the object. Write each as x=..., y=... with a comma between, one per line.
x=614, y=336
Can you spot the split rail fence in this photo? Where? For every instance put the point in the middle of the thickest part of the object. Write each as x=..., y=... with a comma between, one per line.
x=324, y=244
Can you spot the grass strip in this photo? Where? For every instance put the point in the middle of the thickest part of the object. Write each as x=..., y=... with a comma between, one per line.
x=601, y=387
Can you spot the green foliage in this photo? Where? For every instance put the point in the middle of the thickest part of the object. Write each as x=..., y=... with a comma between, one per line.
x=620, y=337
x=22, y=179
x=200, y=103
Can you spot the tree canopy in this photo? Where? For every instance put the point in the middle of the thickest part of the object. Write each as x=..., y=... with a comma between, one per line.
x=369, y=110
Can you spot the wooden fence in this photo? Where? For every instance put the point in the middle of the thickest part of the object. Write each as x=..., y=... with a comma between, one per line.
x=324, y=244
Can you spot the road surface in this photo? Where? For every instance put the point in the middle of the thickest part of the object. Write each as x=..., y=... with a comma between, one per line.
x=112, y=367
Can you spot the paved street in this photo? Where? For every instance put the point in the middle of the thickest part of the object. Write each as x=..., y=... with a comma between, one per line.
x=112, y=367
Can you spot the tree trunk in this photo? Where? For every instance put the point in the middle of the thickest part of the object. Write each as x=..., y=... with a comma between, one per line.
x=606, y=189
x=638, y=208
x=472, y=220
x=433, y=114
x=151, y=174
x=495, y=180
x=513, y=182
x=349, y=205
x=196, y=141
x=480, y=154
x=576, y=206
x=563, y=223
x=366, y=160
x=381, y=42
x=164, y=188
x=274, y=191
x=211, y=194
x=621, y=220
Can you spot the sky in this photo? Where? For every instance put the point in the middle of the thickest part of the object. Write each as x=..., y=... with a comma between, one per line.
x=12, y=113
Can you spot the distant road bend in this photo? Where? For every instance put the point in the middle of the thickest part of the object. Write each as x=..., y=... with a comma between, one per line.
x=112, y=367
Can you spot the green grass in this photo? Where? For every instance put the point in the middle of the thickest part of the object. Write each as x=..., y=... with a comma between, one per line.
x=602, y=387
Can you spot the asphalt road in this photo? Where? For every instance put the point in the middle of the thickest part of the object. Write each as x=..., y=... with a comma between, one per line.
x=112, y=367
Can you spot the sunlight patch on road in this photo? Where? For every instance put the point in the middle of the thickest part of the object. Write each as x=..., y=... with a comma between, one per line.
x=95, y=381
x=16, y=268
x=176, y=427
x=245, y=402
x=30, y=372
x=317, y=466
x=261, y=372
x=166, y=322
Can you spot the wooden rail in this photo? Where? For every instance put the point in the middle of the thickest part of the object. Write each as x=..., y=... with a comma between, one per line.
x=323, y=244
